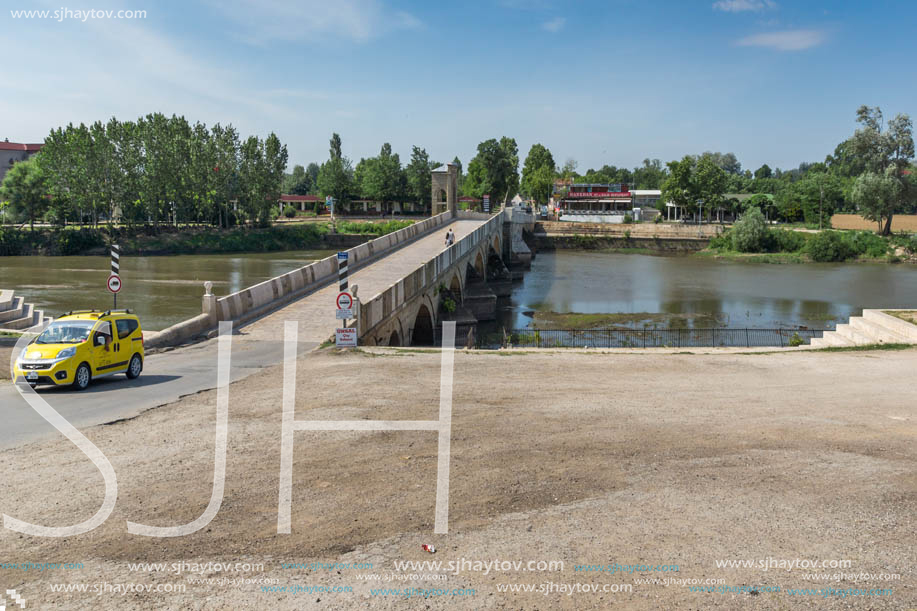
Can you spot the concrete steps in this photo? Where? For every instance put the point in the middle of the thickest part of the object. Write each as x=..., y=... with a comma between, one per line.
x=901, y=327
x=17, y=315
x=873, y=327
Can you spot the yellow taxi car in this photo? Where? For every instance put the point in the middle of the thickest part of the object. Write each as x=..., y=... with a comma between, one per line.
x=80, y=346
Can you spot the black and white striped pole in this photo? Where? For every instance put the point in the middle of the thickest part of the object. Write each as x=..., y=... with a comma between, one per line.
x=344, y=337
x=114, y=280
x=342, y=271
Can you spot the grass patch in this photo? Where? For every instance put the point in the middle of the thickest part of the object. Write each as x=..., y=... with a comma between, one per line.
x=773, y=258
x=905, y=315
x=623, y=320
x=867, y=347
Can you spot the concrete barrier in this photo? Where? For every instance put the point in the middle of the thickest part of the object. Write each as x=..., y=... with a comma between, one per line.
x=267, y=296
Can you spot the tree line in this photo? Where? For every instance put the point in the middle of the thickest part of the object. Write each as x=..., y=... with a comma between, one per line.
x=159, y=169
x=154, y=170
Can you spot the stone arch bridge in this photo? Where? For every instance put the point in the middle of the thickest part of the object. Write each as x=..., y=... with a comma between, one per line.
x=460, y=284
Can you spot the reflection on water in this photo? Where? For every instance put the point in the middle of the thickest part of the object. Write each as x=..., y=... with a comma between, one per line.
x=162, y=290
x=737, y=294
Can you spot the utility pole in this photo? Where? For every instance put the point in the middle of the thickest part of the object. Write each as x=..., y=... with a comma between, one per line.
x=821, y=196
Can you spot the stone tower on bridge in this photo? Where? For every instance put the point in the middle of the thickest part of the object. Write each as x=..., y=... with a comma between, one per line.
x=445, y=188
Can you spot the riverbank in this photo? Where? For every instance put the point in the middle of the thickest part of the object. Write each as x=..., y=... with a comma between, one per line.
x=777, y=245
x=641, y=466
x=190, y=239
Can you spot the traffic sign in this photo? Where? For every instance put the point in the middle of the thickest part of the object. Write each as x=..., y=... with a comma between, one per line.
x=344, y=301
x=344, y=314
x=114, y=283
x=345, y=338
x=343, y=255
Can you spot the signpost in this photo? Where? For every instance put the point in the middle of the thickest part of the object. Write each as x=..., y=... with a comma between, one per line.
x=345, y=337
x=487, y=203
x=114, y=279
x=345, y=306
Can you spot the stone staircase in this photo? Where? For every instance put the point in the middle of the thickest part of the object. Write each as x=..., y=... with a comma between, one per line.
x=873, y=327
x=17, y=315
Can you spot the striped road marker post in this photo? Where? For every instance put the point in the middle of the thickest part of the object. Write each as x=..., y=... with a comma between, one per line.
x=114, y=280
x=342, y=271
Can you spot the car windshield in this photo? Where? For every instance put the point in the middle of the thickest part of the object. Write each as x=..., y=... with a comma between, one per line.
x=66, y=332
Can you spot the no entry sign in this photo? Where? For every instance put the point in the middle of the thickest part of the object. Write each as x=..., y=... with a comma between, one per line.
x=114, y=283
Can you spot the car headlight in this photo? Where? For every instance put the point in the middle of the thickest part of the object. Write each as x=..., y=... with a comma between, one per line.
x=66, y=353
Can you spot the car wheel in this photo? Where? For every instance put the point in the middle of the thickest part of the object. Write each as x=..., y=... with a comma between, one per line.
x=82, y=377
x=136, y=366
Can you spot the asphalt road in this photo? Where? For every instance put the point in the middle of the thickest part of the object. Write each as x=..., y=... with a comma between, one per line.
x=166, y=377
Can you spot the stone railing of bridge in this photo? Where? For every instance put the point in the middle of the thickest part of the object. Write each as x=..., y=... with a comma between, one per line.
x=426, y=277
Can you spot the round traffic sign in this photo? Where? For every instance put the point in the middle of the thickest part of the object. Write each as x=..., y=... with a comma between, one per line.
x=345, y=301
x=114, y=283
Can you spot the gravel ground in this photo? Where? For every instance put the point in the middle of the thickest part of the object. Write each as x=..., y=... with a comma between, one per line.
x=634, y=459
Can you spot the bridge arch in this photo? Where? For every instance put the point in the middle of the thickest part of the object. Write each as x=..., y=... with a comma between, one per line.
x=455, y=286
x=479, y=264
x=394, y=339
x=422, y=330
x=497, y=245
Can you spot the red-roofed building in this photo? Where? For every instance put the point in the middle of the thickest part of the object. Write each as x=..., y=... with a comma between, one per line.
x=13, y=152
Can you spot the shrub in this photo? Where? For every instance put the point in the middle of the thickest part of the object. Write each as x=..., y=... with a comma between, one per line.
x=866, y=243
x=796, y=340
x=750, y=232
x=722, y=241
x=827, y=246
x=628, y=219
x=74, y=242
x=785, y=240
x=289, y=211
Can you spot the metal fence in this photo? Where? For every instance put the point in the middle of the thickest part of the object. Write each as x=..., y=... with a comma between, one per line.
x=649, y=338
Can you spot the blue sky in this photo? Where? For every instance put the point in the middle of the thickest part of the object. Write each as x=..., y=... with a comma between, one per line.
x=601, y=82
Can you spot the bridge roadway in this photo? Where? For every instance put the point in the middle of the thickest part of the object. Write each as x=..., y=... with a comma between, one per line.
x=170, y=375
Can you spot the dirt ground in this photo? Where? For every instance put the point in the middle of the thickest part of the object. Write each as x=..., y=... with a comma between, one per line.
x=588, y=459
x=5, y=354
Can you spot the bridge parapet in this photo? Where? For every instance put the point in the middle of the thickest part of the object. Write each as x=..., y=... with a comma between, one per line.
x=383, y=306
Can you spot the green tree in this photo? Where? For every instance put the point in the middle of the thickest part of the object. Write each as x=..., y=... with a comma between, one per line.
x=298, y=182
x=539, y=157
x=491, y=170
x=511, y=153
x=26, y=189
x=877, y=196
x=420, y=181
x=382, y=178
x=335, y=177
x=885, y=151
x=764, y=172
x=750, y=232
x=649, y=176
x=710, y=184
x=679, y=187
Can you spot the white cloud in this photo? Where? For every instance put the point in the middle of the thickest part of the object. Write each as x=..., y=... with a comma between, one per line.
x=554, y=25
x=358, y=20
x=740, y=6
x=786, y=40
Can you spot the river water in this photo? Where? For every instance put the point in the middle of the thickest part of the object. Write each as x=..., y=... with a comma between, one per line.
x=733, y=294
x=166, y=290
x=161, y=290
